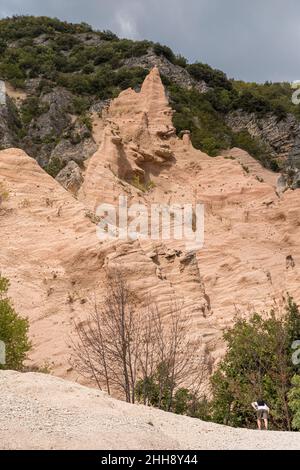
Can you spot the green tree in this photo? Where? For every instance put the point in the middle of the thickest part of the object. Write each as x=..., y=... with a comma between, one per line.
x=258, y=363
x=294, y=401
x=13, y=331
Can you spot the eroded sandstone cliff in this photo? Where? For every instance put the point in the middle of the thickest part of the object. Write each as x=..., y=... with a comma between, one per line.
x=51, y=253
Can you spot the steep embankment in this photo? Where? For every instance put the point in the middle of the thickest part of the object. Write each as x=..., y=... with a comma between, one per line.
x=43, y=412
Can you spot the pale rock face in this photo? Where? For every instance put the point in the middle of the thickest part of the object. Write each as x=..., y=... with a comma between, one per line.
x=51, y=254
x=70, y=177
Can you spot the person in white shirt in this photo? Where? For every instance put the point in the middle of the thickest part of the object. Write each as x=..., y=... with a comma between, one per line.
x=262, y=411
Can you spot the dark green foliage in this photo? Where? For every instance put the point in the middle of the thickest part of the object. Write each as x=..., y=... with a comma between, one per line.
x=88, y=68
x=86, y=121
x=31, y=26
x=12, y=72
x=104, y=55
x=165, y=51
x=181, y=61
x=13, y=331
x=157, y=391
x=108, y=35
x=258, y=150
x=293, y=320
x=105, y=83
x=3, y=46
x=251, y=103
x=258, y=363
x=59, y=53
x=13, y=118
x=267, y=97
x=80, y=104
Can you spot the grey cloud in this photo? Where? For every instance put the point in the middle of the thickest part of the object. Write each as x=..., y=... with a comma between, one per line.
x=254, y=41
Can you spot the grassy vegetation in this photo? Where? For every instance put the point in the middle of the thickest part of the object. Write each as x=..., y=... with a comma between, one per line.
x=91, y=65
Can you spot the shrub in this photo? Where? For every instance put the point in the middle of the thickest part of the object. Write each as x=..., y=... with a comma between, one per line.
x=3, y=46
x=104, y=55
x=66, y=41
x=267, y=97
x=54, y=166
x=88, y=68
x=108, y=35
x=32, y=26
x=13, y=331
x=181, y=61
x=195, y=113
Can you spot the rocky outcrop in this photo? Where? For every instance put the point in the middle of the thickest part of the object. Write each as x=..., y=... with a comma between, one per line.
x=173, y=72
x=138, y=133
x=281, y=137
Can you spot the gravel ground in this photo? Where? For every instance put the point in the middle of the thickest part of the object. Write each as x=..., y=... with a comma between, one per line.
x=39, y=411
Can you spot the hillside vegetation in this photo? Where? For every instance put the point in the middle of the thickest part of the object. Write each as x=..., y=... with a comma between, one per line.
x=91, y=65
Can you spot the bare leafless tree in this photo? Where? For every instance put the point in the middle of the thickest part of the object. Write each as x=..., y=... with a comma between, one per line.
x=120, y=344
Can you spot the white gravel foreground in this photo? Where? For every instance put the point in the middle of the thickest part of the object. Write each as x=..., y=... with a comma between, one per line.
x=39, y=411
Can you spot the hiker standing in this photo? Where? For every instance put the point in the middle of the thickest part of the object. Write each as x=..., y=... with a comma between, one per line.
x=262, y=411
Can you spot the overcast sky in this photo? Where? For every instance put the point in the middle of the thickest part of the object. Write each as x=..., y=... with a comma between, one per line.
x=253, y=40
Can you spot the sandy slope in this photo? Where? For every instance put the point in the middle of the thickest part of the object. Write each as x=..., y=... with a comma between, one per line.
x=43, y=412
